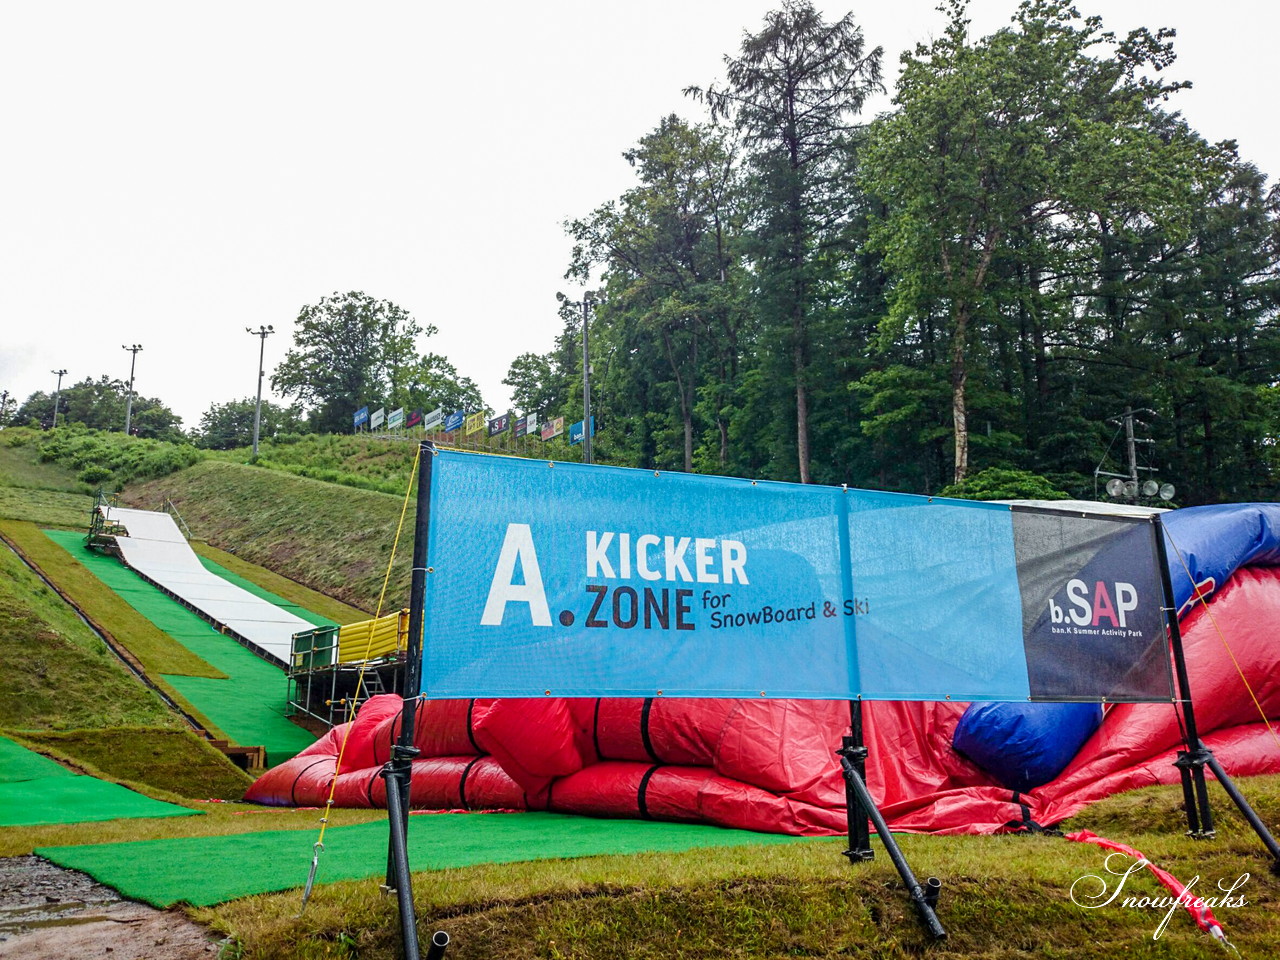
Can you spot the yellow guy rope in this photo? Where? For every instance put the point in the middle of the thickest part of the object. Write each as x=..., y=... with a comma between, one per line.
x=342, y=749
x=1204, y=601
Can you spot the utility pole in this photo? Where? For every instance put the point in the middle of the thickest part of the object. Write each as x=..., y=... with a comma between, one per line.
x=57, y=393
x=261, y=333
x=1130, y=444
x=586, y=384
x=128, y=410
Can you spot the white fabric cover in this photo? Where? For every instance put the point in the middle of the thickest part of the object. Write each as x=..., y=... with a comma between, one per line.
x=154, y=546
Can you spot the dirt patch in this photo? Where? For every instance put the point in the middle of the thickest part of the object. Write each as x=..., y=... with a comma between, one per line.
x=48, y=913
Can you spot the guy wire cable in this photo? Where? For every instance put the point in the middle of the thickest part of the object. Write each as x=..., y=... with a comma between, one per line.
x=318, y=848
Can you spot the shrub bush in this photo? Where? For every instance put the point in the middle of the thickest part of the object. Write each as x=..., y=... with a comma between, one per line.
x=99, y=456
x=94, y=475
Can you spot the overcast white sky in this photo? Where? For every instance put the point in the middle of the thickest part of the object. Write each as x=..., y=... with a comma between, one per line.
x=174, y=172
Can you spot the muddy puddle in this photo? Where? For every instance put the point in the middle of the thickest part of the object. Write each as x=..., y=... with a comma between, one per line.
x=48, y=913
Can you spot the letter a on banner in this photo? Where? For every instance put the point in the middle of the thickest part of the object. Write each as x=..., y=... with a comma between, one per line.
x=517, y=545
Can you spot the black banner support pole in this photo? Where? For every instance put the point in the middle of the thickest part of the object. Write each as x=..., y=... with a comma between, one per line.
x=854, y=750
x=400, y=863
x=1190, y=763
x=923, y=899
x=1246, y=811
x=398, y=771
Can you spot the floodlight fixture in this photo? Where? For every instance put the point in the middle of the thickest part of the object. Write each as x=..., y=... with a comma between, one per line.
x=1167, y=491
x=1131, y=488
x=1150, y=488
x=1115, y=488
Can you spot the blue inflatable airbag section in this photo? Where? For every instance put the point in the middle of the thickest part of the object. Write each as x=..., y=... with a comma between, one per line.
x=1024, y=745
x=1206, y=545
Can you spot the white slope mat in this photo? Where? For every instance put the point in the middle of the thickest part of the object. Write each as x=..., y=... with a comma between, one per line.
x=155, y=547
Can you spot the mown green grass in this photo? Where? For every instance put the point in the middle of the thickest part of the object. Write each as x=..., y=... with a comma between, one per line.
x=1003, y=897
x=48, y=508
x=30, y=489
x=157, y=652
x=60, y=675
x=20, y=464
x=305, y=597
x=174, y=762
x=334, y=539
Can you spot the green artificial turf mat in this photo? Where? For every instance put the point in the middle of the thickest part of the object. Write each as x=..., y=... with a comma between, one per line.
x=249, y=708
x=35, y=790
x=77, y=799
x=249, y=705
x=17, y=763
x=203, y=871
x=244, y=584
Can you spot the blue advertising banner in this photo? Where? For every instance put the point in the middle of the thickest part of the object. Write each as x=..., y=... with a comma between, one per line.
x=576, y=433
x=360, y=417
x=569, y=580
x=454, y=421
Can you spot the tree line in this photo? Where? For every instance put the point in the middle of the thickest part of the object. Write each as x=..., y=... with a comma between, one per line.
x=984, y=277
x=349, y=349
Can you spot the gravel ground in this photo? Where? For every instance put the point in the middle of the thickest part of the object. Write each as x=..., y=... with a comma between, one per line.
x=48, y=913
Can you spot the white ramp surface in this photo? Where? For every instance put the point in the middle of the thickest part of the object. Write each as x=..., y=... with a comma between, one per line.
x=153, y=545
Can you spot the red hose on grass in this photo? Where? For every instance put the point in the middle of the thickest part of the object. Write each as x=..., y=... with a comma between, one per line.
x=1200, y=911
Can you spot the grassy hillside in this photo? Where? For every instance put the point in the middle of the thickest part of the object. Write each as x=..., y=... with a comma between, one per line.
x=60, y=675
x=363, y=462
x=70, y=696
x=332, y=538
x=21, y=466
x=154, y=652
x=45, y=493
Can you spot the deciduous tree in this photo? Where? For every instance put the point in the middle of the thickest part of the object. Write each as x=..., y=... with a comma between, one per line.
x=348, y=349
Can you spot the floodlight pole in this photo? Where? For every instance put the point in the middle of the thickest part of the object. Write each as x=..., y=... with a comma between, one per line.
x=261, y=333
x=128, y=410
x=398, y=771
x=57, y=393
